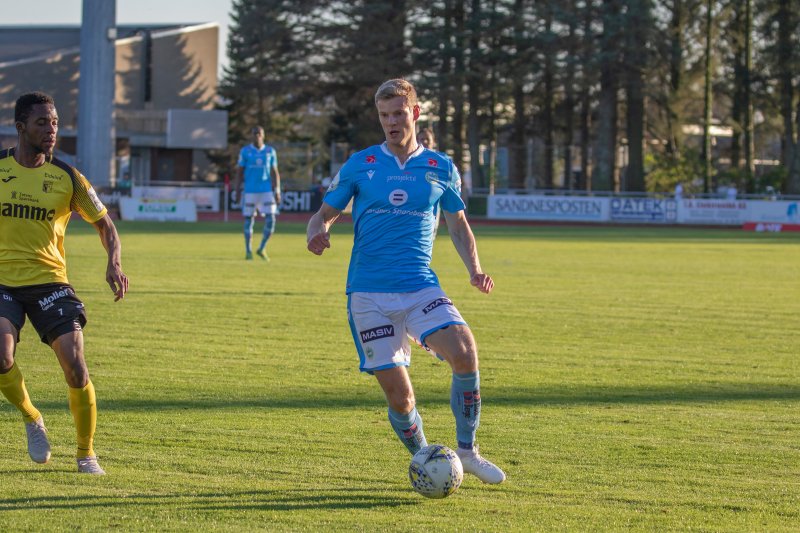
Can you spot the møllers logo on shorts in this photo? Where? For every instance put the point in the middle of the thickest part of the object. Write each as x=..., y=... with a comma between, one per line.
x=48, y=301
x=377, y=333
x=436, y=303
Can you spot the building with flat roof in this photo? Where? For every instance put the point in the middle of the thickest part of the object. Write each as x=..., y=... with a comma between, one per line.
x=165, y=89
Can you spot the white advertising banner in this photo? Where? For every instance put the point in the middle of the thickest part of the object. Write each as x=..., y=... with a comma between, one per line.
x=778, y=211
x=711, y=211
x=157, y=209
x=540, y=207
x=644, y=210
x=204, y=198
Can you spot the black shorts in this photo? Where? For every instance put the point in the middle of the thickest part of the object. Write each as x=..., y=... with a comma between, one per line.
x=53, y=308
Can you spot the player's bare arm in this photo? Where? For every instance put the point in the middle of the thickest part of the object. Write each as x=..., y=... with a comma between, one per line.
x=276, y=185
x=238, y=179
x=464, y=241
x=115, y=278
x=318, y=236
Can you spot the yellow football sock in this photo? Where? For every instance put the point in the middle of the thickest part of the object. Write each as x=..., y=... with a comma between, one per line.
x=83, y=405
x=13, y=387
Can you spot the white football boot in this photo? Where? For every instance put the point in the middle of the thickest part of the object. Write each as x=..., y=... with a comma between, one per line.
x=475, y=464
x=88, y=465
x=38, y=445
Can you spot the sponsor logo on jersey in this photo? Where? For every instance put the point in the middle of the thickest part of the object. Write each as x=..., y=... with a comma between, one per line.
x=95, y=200
x=48, y=301
x=436, y=303
x=29, y=212
x=433, y=163
x=56, y=177
x=334, y=183
x=370, y=159
x=405, y=177
x=380, y=332
x=398, y=197
x=6, y=180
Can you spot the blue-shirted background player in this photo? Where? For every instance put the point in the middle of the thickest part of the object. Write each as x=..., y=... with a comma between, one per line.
x=258, y=162
x=392, y=291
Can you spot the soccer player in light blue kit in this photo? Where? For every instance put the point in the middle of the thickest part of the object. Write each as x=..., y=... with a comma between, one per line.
x=258, y=162
x=392, y=291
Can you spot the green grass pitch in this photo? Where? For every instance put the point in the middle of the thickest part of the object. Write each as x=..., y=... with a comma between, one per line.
x=633, y=379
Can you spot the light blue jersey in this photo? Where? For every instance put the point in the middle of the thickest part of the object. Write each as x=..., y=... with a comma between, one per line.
x=257, y=165
x=393, y=212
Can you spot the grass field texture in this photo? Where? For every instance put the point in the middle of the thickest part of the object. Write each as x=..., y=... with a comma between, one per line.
x=633, y=379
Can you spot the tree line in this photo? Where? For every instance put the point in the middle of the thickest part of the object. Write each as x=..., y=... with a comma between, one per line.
x=577, y=94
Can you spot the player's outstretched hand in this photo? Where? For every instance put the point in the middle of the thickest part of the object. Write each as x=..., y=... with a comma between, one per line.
x=118, y=281
x=483, y=282
x=319, y=242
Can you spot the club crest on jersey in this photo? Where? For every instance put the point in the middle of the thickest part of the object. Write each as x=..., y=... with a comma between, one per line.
x=373, y=334
x=433, y=163
x=370, y=159
x=47, y=186
x=431, y=177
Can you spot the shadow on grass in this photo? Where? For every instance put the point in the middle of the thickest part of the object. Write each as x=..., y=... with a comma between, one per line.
x=267, y=500
x=308, y=398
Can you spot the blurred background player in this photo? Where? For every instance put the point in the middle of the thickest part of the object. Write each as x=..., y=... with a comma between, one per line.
x=427, y=139
x=392, y=291
x=258, y=164
x=38, y=194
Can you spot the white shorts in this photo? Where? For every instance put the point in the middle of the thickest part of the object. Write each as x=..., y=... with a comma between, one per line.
x=261, y=202
x=381, y=324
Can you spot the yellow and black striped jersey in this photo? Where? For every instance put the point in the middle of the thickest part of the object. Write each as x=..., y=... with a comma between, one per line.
x=35, y=208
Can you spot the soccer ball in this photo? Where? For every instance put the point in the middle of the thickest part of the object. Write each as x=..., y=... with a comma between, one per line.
x=435, y=471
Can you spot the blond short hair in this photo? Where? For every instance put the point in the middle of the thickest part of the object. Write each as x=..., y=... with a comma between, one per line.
x=397, y=87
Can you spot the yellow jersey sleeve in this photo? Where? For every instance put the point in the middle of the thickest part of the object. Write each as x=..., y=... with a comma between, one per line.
x=85, y=201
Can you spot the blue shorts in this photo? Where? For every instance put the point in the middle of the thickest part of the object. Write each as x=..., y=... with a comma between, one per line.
x=383, y=322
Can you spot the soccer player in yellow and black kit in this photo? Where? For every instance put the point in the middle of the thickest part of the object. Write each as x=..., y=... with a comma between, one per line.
x=38, y=194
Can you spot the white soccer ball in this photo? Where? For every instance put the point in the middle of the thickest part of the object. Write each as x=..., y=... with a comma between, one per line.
x=435, y=471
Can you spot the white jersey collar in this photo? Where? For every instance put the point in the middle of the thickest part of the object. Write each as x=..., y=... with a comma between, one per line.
x=413, y=154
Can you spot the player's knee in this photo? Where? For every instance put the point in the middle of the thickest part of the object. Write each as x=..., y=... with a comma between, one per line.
x=464, y=362
x=6, y=362
x=7, y=348
x=401, y=401
x=77, y=376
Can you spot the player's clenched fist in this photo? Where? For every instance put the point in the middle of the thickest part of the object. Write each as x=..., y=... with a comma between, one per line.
x=319, y=242
x=483, y=282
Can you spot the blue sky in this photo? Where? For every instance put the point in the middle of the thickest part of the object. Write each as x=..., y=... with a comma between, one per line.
x=129, y=12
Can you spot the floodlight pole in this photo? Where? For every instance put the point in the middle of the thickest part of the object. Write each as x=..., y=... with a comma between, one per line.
x=96, y=135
